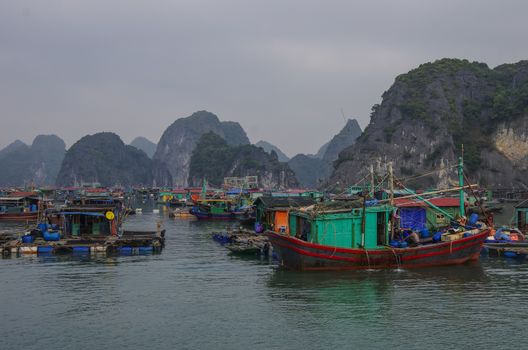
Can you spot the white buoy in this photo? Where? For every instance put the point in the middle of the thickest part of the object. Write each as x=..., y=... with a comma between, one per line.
x=155, y=211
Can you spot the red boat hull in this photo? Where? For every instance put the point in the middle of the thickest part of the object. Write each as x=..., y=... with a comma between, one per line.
x=296, y=254
x=18, y=217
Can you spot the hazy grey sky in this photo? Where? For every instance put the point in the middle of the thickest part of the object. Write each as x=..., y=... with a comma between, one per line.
x=283, y=69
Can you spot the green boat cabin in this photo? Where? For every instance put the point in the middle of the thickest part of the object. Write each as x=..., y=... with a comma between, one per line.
x=343, y=229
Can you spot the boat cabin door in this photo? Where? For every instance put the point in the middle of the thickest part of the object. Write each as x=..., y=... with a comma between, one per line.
x=381, y=228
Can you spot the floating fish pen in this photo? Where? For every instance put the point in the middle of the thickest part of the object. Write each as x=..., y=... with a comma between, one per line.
x=127, y=244
x=86, y=227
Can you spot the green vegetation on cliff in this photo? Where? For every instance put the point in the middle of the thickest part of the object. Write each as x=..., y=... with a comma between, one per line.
x=431, y=111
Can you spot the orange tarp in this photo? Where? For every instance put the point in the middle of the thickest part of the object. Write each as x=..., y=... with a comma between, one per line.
x=281, y=220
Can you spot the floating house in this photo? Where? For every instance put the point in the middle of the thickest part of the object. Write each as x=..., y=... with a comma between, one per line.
x=89, y=225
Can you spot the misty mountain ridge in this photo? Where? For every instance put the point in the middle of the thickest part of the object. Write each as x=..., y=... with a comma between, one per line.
x=314, y=169
x=144, y=144
x=38, y=164
x=268, y=147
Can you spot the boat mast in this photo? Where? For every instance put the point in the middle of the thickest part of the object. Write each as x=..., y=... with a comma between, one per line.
x=371, y=181
x=391, y=197
x=461, y=185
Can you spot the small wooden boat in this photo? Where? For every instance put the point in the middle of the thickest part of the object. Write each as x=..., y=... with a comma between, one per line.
x=181, y=214
x=219, y=209
x=506, y=242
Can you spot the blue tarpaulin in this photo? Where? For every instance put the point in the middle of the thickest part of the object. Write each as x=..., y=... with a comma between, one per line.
x=235, y=191
x=82, y=213
x=413, y=218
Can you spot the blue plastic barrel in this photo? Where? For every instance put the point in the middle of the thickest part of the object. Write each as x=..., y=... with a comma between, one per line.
x=43, y=227
x=424, y=233
x=125, y=250
x=403, y=244
x=81, y=249
x=51, y=236
x=473, y=219
x=510, y=254
x=28, y=239
x=45, y=250
x=259, y=228
x=145, y=249
x=437, y=237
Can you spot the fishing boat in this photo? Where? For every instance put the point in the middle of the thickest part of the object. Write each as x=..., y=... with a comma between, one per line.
x=510, y=241
x=220, y=209
x=361, y=235
x=19, y=207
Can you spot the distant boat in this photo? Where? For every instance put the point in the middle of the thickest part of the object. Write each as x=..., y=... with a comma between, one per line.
x=220, y=209
x=19, y=207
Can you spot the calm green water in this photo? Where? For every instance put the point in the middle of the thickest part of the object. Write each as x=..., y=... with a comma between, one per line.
x=195, y=296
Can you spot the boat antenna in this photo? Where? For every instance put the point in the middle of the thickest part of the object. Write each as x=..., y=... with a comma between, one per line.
x=343, y=115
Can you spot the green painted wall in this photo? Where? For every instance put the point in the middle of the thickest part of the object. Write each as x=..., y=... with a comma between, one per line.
x=344, y=229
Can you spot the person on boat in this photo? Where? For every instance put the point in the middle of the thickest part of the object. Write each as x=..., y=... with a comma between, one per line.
x=413, y=238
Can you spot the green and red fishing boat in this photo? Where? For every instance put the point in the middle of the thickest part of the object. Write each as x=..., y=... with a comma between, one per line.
x=364, y=235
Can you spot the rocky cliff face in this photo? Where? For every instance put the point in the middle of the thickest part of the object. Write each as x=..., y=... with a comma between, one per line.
x=427, y=115
x=37, y=164
x=213, y=159
x=179, y=140
x=104, y=158
x=268, y=147
x=145, y=145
